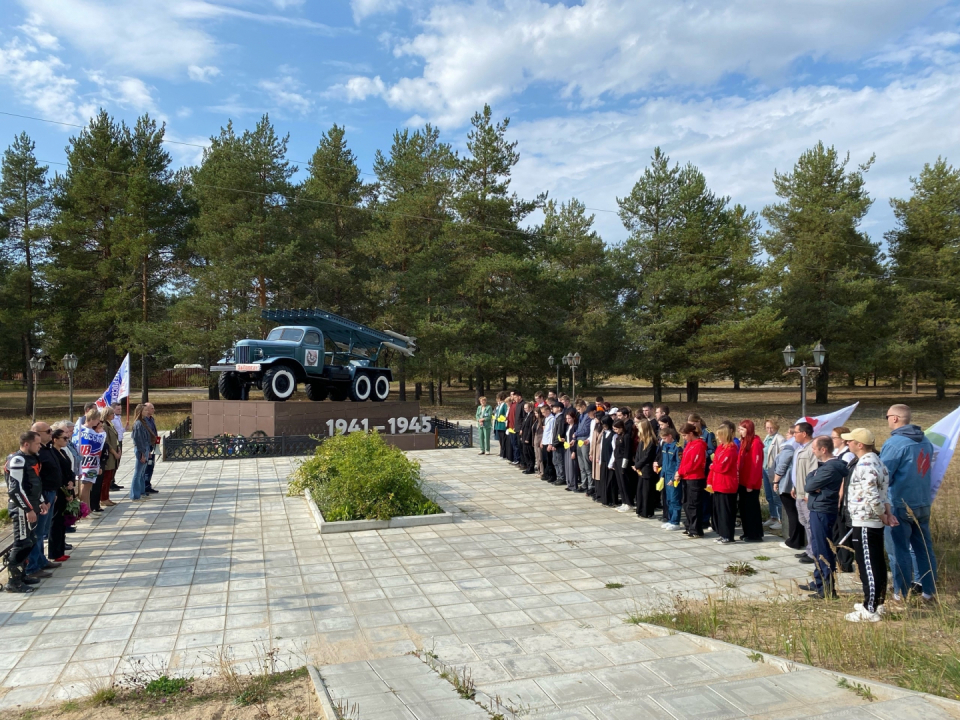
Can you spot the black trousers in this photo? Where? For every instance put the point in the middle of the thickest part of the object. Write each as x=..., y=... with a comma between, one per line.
x=95, y=493
x=502, y=439
x=696, y=489
x=647, y=494
x=57, y=544
x=24, y=539
x=725, y=514
x=845, y=556
x=797, y=539
x=872, y=564
x=546, y=464
x=751, y=518
x=526, y=456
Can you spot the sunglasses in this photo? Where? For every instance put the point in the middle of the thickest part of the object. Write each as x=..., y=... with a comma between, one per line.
x=890, y=416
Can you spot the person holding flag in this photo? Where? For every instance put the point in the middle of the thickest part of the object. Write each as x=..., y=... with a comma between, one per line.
x=89, y=443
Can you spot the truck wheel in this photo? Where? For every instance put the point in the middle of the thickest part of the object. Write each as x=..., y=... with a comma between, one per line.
x=381, y=388
x=338, y=394
x=361, y=388
x=316, y=391
x=279, y=383
x=230, y=386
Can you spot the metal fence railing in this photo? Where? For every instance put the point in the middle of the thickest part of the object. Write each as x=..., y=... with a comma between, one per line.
x=178, y=445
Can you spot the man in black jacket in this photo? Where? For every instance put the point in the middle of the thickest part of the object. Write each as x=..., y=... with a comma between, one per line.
x=527, y=430
x=22, y=473
x=38, y=565
x=823, y=500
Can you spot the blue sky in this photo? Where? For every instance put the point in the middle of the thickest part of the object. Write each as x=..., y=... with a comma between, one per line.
x=738, y=87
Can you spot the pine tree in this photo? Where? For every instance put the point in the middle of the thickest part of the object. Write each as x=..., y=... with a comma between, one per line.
x=689, y=267
x=25, y=214
x=333, y=220
x=925, y=254
x=827, y=273
x=88, y=265
x=242, y=252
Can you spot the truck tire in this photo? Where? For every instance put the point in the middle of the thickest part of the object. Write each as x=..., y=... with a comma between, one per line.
x=381, y=388
x=230, y=386
x=339, y=394
x=279, y=383
x=361, y=388
x=316, y=391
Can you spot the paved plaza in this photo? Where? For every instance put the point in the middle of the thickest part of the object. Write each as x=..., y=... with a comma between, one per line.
x=223, y=564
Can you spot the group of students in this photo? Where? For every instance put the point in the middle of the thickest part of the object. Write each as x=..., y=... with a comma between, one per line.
x=634, y=461
x=61, y=473
x=829, y=492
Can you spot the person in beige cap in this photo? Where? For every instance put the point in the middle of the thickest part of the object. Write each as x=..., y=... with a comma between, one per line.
x=868, y=502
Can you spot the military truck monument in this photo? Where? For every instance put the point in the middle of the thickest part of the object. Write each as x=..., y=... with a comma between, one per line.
x=332, y=356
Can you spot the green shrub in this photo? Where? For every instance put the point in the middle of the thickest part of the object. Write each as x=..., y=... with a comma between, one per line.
x=163, y=685
x=4, y=517
x=360, y=477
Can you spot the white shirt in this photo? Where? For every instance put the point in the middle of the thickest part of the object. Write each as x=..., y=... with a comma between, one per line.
x=118, y=426
x=548, y=426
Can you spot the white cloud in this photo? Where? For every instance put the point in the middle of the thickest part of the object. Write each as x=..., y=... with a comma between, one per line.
x=145, y=36
x=486, y=50
x=359, y=88
x=40, y=37
x=286, y=92
x=202, y=74
x=40, y=81
x=284, y=4
x=125, y=92
x=738, y=142
x=364, y=8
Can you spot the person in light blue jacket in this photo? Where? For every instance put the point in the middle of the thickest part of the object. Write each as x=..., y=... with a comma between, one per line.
x=907, y=456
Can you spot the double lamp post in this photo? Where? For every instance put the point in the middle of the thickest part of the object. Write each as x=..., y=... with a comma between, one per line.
x=790, y=355
x=572, y=360
x=37, y=364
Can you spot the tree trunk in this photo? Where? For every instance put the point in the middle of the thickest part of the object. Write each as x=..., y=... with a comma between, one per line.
x=874, y=378
x=417, y=391
x=851, y=380
x=693, y=390
x=460, y=378
x=433, y=397
x=144, y=379
x=403, y=380
x=823, y=383
x=449, y=380
x=914, y=389
x=504, y=388
x=901, y=379
x=440, y=393
x=658, y=388
x=213, y=390
x=736, y=382
x=471, y=383
x=479, y=392
x=941, y=385
x=28, y=373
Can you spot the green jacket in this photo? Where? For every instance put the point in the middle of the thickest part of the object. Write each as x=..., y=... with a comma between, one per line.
x=484, y=415
x=501, y=412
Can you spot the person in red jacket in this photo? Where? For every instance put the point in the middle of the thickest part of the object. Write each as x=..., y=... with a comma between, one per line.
x=750, y=472
x=692, y=471
x=723, y=481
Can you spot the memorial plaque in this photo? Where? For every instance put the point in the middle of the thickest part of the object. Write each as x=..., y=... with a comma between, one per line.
x=239, y=417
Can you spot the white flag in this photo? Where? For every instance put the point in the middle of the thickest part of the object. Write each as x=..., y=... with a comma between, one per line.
x=119, y=387
x=824, y=424
x=943, y=435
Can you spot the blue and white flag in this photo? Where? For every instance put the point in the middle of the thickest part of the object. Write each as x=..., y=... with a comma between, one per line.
x=944, y=436
x=90, y=446
x=119, y=388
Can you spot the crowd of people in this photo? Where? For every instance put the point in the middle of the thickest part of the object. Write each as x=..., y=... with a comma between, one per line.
x=834, y=498
x=62, y=473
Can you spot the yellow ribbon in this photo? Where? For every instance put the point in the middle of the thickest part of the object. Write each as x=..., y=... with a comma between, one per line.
x=581, y=443
x=660, y=485
x=501, y=418
x=566, y=446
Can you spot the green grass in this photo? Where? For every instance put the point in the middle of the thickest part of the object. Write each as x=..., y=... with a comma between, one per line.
x=613, y=586
x=164, y=686
x=741, y=568
x=103, y=696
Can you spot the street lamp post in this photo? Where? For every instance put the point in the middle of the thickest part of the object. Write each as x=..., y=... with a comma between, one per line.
x=557, y=366
x=37, y=363
x=70, y=365
x=790, y=355
x=573, y=361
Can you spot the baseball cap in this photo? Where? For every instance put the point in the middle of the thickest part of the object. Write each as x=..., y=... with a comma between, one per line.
x=861, y=435
x=614, y=410
x=592, y=407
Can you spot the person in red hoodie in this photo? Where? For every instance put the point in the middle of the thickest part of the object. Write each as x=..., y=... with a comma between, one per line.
x=750, y=472
x=692, y=471
x=723, y=481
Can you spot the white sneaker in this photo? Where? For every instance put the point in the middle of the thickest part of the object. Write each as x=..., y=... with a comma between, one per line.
x=769, y=522
x=623, y=508
x=671, y=526
x=776, y=526
x=861, y=614
x=785, y=546
x=882, y=610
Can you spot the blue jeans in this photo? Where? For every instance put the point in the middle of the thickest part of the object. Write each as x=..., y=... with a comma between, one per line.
x=913, y=534
x=773, y=500
x=37, y=560
x=138, y=484
x=674, y=503
x=148, y=478
x=825, y=561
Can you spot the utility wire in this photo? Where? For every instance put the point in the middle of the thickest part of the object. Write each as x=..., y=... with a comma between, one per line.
x=288, y=202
